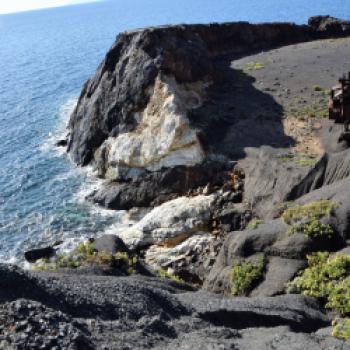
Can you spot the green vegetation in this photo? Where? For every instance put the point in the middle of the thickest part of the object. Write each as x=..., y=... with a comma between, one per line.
x=306, y=219
x=341, y=328
x=328, y=279
x=245, y=274
x=298, y=159
x=253, y=224
x=84, y=255
x=310, y=210
x=309, y=111
x=165, y=274
x=285, y=158
x=253, y=66
x=304, y=162
x=317, y=88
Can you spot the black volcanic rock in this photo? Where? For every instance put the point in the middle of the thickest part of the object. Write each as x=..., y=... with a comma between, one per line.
x=154, y=188
x=110, y=99
x=95, y=312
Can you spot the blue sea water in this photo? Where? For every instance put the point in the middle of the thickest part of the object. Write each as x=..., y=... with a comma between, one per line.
x=45, y=56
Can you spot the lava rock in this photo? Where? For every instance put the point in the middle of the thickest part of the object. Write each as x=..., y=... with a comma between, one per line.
x=41, y=253
x=110, y=244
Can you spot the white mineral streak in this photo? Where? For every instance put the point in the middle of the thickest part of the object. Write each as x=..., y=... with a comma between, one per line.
x=171, y=223
x=163, y=137
x=161, y=256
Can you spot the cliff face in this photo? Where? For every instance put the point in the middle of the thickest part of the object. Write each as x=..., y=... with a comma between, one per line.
x=135, y=112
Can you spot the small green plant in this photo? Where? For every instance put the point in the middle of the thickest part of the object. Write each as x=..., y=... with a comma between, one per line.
x=253, y=66
x=316, y=209
x=317, y=88
x=326, y=278
x=306, y=219
x=305, y=162
x=245, y=274
x=253, y=224
x=309, y=111
x=165, y=274
x=285, y=158
x=341, y=328
x=84, y=255
x=339, y=296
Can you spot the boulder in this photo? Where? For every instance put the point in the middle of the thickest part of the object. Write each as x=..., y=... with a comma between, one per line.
x=40, y=253
x=110, y=244
x=171, y=223
x=154, y=188
x=185, y=260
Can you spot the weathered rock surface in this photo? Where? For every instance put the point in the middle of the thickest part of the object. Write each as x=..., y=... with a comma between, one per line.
x=157, y=187
x=94, y=312
x=110, y=244
x=171, y=223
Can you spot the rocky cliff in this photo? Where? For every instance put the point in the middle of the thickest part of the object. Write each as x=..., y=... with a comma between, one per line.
x=218, y=132
x=163, y=99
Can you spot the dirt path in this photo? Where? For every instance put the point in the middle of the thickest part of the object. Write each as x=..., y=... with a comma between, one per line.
x=298, y=78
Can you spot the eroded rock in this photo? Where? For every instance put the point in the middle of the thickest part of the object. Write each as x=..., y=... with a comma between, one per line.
x=171, y=223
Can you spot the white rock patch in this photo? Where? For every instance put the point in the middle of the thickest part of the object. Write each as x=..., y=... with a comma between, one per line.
x=163, y=137
x=160, y=256
x=171, y=223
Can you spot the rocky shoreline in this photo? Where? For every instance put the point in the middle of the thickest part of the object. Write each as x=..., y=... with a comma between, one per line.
x=241, y=187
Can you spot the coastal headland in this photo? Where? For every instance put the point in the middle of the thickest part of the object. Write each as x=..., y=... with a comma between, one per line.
x=215, y=140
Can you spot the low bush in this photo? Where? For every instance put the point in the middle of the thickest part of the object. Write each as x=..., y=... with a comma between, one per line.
x=245, y=274
x=253, y=224
x=326, y=278
x=341, y=328
x=84, y=255
x=165, y=274
x=306, y=219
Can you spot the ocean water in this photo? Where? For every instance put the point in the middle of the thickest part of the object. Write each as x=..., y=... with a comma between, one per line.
x=45, y=56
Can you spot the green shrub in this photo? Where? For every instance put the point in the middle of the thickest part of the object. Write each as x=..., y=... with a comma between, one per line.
x=326, y=278
x=84, y=255
x=341, y=328
x=165, y=274
x=339, y=297
x=304, y=162
x=253, y=66
x=317, y=209
x=306, y=219
x=245, y=274
x=253, y=224
x=317, y=88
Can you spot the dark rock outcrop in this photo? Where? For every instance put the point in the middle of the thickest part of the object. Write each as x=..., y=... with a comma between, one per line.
x=285, y=253
x=110, y=244
x=162, y=102
x=154, y=188
x=39, y=253
x=110, y=99
x=94, y=312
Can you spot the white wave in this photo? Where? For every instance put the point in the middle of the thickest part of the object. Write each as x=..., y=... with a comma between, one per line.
x=60, y=132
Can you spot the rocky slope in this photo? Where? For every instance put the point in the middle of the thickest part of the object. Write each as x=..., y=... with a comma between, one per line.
x=54, y=311
x=186, y=123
